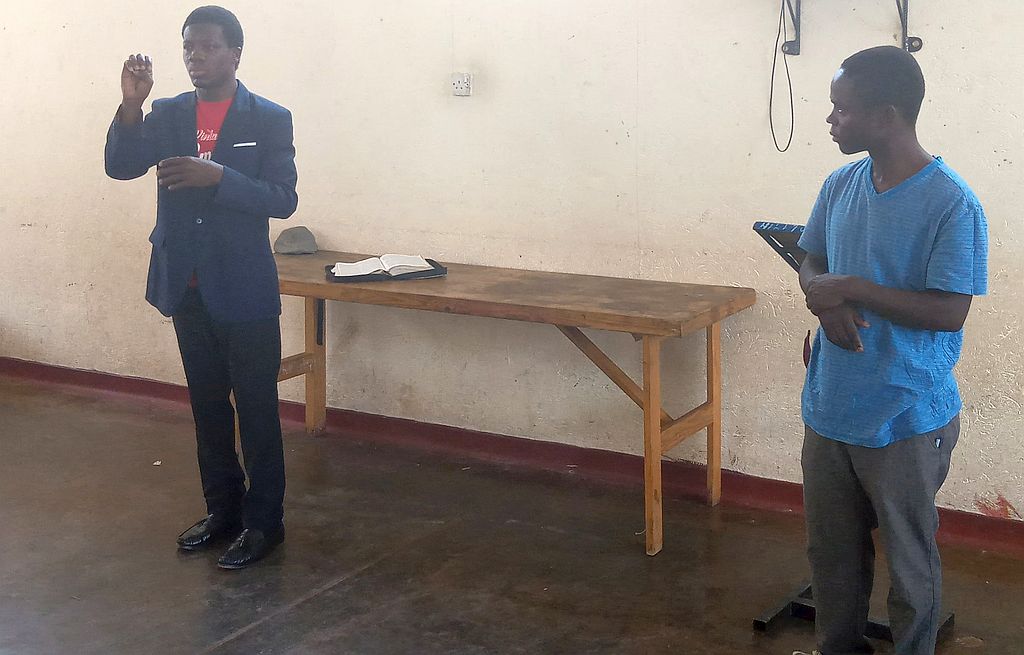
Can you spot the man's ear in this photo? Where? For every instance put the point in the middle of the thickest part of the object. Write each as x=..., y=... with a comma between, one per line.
x=238, y=57
x=888, y=115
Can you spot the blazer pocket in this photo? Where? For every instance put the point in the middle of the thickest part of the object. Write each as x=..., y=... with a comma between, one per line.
x=243, y=156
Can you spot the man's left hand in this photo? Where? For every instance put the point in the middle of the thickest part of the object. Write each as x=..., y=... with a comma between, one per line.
x=185, y=172
x=828, y=291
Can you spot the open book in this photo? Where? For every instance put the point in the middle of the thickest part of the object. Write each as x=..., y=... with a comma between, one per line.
x=385, y=267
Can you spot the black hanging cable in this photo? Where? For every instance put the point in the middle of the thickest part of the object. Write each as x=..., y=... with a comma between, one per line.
x=904, y=19
x=782, y=34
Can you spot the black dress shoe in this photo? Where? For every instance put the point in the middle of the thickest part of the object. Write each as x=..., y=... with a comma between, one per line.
x=207, y=531
x=250, y=546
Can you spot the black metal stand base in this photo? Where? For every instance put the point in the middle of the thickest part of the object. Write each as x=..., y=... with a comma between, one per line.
x=801, y=606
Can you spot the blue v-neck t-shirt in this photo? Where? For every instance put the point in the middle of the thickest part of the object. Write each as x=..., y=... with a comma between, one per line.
x=928, y=232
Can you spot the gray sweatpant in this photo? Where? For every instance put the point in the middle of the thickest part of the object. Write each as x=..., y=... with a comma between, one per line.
x=849, y=491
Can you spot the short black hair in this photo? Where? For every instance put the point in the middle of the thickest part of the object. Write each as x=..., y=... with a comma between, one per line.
x=214, y=15
x=887, y=75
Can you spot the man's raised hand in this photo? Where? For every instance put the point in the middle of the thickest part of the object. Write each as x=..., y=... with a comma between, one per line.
x=136, y=82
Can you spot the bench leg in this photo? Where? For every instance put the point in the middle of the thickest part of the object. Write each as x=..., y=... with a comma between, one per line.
x=316, y=378
x=652, y=443
x=714, y=339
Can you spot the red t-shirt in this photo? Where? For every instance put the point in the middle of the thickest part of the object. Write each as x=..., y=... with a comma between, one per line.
x=209, y=119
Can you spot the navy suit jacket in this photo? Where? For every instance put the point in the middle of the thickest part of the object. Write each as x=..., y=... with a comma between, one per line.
x=222, y=232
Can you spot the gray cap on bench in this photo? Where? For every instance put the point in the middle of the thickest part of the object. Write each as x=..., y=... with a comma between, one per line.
x=295, y=241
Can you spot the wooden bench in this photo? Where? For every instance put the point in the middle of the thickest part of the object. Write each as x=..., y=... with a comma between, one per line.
x=649, y=310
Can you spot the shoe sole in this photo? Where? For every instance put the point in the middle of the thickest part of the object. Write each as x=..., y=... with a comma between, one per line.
x=193, y=549
x=219, y=540
x=235, y=567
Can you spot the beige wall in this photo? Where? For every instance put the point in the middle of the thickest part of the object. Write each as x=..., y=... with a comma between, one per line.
x=623, y=137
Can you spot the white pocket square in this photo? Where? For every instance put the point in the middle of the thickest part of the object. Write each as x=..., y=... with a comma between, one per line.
x=247, y=144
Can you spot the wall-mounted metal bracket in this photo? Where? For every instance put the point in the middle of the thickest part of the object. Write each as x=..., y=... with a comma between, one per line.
x=910, y=43
x=792, y=47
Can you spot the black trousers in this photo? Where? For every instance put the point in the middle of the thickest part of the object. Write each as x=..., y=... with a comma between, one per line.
x=244, y=358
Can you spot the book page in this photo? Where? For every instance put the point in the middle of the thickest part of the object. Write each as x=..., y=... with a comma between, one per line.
x=398, y=264
x=367, y=266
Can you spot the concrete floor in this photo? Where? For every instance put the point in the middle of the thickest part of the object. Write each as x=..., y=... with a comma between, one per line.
x=388, y=551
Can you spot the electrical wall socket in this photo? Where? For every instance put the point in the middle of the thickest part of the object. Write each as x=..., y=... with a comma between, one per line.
x=462, y=84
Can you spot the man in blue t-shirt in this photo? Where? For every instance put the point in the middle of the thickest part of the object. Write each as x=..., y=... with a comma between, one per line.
x=896, y=249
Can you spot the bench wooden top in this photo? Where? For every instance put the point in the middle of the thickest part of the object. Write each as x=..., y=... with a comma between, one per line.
x=589, y=301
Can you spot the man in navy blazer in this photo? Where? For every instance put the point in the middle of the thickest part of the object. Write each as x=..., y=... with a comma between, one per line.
x=225, y=165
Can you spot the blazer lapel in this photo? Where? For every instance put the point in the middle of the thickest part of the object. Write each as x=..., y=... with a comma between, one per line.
x=185, y=127
x=236, y=123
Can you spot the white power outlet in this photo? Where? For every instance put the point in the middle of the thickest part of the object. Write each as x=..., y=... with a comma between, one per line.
x=462, y=84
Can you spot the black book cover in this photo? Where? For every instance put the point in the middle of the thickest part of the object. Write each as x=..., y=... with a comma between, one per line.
x=437, y=271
